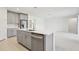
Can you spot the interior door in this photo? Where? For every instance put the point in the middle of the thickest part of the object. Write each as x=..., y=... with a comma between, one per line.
x=73, y=25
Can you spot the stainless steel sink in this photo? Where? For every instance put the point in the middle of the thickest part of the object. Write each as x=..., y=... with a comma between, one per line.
x=31, y=30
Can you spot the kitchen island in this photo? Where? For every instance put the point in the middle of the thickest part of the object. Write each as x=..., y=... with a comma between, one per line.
x=35, y=40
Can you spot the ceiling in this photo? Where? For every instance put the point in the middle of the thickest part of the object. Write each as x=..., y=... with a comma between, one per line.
x=47, y=12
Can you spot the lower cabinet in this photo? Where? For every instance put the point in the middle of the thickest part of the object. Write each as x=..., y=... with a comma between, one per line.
x=20, y=36
x=35, y=41
x=28, y=39
x=24, y=37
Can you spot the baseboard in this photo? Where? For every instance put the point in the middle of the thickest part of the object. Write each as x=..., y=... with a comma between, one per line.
x=2, y=40
x=24, y=46
x=11, y=36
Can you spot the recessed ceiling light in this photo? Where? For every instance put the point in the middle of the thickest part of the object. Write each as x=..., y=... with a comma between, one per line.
x=34, y=7
x=17, y=9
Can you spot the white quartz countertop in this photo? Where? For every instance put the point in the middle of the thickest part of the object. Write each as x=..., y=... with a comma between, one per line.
x=42, y=32
x=38, y=31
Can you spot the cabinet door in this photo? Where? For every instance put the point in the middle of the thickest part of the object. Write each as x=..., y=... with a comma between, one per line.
x=24, y=17
x=19, y=36
x=24, y=41
x=24, y=38
x=28, y=40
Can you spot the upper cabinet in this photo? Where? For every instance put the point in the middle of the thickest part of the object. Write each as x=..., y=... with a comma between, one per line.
x=23, y=17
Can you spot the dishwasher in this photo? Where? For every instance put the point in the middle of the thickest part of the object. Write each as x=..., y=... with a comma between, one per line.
x=37, y=43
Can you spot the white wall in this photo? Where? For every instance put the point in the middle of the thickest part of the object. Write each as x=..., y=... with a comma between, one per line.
x=56, y=24
x=38, y=23
x=12, y=26
x=51, y=24
x=3, y=23
x=78, y=24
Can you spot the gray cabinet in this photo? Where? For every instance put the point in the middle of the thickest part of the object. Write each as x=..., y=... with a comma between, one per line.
x=24, y=37
x=20, y=36
x=35, y=41
x=28, y=39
